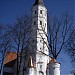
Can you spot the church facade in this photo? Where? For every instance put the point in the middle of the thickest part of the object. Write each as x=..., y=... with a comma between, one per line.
x=39, y=62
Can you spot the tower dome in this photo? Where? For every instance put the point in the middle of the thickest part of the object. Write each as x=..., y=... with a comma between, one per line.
x=54, y=67
x=38, y=2
x=53, y=60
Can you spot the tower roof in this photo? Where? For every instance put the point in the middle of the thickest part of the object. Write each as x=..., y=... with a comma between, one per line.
x=38, y=2
x=10, y=56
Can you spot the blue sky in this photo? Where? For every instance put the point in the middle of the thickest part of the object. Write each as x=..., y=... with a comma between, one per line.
x=10, y=9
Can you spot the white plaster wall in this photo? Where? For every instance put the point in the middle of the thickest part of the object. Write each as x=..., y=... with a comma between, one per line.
x=41, y=57
x=34, y=28
x=42, y=32
x=54, y=69
x=44, y=14
x=31, y=71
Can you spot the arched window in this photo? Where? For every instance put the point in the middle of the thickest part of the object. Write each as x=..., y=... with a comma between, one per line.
x=40, y=11
x=40, y=22
x=35, y=11
x=41, y=73
x=34, y=22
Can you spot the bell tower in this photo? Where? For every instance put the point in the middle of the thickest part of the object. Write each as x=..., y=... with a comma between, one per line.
x=38, y=38
x=39, y=26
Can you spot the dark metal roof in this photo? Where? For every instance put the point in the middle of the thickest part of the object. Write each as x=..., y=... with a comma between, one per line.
x=38, y=2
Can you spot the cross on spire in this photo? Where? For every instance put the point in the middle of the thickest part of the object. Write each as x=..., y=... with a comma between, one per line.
x=38, y=2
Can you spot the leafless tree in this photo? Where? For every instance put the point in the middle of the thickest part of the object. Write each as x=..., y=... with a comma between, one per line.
x=1, y=27
x=19, y=34
x=59, y=33
x=4, y=46
x=1, y=52
x=70, y=47
x=16, y=38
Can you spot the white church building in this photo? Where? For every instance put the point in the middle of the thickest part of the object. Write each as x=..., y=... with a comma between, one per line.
x=39, y=61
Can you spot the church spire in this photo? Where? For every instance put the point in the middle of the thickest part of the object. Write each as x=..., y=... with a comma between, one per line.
x=38, y=2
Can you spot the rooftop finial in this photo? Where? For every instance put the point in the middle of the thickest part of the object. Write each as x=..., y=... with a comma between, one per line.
x=38, y=2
